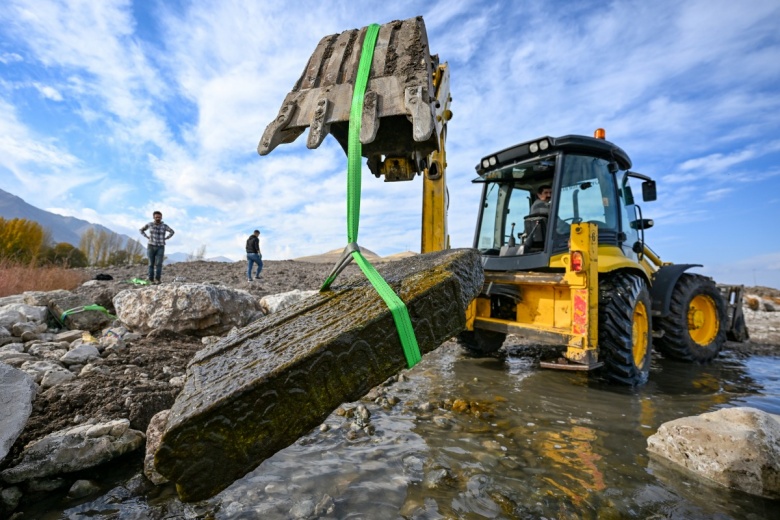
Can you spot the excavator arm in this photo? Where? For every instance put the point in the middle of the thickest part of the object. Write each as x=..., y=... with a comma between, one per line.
x=405, y=111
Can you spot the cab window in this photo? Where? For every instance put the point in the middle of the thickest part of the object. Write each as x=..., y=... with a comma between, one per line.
x=587, y=194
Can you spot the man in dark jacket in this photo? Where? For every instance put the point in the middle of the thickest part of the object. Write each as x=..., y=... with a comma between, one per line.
x=253, y=255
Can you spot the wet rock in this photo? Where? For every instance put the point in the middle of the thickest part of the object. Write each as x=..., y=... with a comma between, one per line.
x=326, y=506
x=17, y=391
x=249, y=396
x=302, y=509
x=153, y=437
x=194, y=309
x=9, y=498
x=74, y=449
x=736, y=447
x=45, y=484
x=82, y=488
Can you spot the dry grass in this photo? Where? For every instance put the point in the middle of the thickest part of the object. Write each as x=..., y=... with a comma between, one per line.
x=17, y=278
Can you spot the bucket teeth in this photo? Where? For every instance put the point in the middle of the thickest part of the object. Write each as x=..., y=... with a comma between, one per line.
x=398, y=110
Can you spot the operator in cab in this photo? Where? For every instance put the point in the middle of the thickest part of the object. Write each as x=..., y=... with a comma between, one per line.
x=541, y=205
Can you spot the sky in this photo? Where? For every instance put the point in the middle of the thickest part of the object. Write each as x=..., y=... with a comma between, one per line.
x=110, y=110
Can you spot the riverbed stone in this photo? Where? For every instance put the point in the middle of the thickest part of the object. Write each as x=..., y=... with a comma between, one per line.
x=17, y=391
x=74, y=449
x=250, y=395
x=736, y=447
x=153, y=437
x=80, y=355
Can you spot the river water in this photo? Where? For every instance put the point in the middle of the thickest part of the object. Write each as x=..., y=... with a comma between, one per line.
x=470, y=438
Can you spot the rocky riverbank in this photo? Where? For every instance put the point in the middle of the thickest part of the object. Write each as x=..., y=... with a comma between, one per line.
x=125, y=378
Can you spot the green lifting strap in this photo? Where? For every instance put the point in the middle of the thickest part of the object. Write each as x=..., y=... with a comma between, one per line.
x=354, y=153
x=92, y=307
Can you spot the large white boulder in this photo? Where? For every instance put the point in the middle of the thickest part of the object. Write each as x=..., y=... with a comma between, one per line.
x=195, y=309
x=736, y=447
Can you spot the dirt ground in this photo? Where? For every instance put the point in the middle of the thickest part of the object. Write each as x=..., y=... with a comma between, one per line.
x=134, y=384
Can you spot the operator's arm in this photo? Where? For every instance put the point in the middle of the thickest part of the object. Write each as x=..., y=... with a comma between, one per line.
x=143, y=230
x=169, y=229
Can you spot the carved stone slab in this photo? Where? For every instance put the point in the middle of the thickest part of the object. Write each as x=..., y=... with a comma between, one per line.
x=255, y=393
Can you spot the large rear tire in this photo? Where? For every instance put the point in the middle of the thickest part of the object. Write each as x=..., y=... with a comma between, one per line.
x=481, y=342
x=695, y=329
x=625, y=328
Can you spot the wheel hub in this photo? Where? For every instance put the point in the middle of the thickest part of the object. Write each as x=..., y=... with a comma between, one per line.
x=703, y=322
x=640, y=327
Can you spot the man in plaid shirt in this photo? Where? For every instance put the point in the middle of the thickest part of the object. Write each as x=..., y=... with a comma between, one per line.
x=159, y=232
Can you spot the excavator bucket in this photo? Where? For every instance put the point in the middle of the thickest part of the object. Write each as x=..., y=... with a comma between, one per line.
x=404, y=109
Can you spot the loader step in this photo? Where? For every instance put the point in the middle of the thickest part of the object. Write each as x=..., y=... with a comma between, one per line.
x=565, y=364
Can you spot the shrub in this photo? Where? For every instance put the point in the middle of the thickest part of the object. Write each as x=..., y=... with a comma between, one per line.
x=16, y=278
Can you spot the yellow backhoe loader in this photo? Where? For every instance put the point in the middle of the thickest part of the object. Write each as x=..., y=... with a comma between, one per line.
x=574, y=271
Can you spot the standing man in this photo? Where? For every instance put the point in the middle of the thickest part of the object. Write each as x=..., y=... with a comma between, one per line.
x=159, y=232
x=253, y=255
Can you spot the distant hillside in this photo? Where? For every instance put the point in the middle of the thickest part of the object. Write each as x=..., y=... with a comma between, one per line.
x=183, y=257
x=63, y=229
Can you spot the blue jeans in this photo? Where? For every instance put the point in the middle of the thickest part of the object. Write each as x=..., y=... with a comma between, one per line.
x=155, y=255
x=253, y=258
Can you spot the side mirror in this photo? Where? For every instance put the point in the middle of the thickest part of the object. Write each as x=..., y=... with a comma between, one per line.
x=648, y=191
x=644, y=223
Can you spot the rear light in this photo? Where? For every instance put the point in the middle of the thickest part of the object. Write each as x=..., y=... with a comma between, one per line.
x=576, y=261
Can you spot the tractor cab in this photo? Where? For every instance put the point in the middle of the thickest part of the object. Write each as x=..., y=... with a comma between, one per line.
x=589, y=181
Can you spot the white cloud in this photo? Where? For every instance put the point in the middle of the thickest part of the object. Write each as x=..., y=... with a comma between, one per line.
x=48, y=92
x=10, y=57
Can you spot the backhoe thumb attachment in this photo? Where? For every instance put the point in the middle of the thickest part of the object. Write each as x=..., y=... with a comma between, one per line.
x=404, y=109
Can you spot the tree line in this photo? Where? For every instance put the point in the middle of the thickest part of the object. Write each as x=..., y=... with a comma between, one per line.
x=25, y=241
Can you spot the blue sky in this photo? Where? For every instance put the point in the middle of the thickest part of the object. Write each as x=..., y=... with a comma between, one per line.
x=112, y=109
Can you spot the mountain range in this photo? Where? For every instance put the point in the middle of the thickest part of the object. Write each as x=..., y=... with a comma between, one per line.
x=65, y=229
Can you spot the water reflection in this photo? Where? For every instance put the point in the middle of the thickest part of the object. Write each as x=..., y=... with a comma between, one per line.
x=495, y=438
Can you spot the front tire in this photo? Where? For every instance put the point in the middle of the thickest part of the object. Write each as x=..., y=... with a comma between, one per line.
x=625, y=330
x=695, y=329
x=481, y=342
